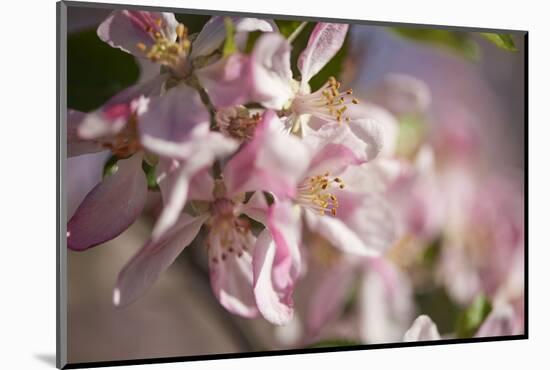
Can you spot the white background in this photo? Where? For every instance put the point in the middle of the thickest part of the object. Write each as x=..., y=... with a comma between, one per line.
x=27, y=123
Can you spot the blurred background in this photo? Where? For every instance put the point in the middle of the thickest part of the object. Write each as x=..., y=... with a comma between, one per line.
x=476, y=104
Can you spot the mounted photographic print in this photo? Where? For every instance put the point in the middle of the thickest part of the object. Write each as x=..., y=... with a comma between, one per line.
x=234, y=184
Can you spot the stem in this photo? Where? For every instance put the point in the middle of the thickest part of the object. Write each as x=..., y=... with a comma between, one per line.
x=296, y=32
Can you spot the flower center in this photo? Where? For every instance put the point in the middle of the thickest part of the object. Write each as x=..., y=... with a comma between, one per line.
x=228, y=234
x=126, y=142
x=314, y=193
x=165, y=51
x=327, y=102
x=237, y=123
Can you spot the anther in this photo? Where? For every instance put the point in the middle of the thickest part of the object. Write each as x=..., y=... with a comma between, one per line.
x=180, y=31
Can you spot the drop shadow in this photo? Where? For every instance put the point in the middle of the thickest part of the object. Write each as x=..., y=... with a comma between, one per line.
x=46, y=358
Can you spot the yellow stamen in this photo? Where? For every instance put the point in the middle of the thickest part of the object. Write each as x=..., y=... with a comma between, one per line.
x=165, y=51
x=314, y=193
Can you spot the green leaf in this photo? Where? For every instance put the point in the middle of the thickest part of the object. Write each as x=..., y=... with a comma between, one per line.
x=458, y=42
x=337, y=342
x=471, y=319
x=251, y=41
x=193, y=22
x=286, y=28
x=150, y=175
x=296, y=32
x=352, y=296
x=96, y=71
x=111, y=166
x=432, y=252
x=412, y=131
x=229, y=47
x=502, y=40
x=437, y=304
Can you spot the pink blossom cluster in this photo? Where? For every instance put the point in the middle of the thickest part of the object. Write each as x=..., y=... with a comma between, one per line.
x=289, y=184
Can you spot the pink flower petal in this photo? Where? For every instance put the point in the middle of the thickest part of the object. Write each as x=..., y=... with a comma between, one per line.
x=422, y=329
x=285, y=227
x=363, y=224
x=381, y=176
x=334, y=148
x=270, y=71
x=75, y=145
x=272, y=161
x=101, y=125
x=227, y=81
x=113, y=116
x=175, y=190
x=202, y=186
x=500, y=322
x=212, y=35
x=401, y=94
x=254, y=24
x=256, y=208
x=125, y=29
x=369, y=116
x=275, y=306
x=324, y=42
x=386, y=303
x=167, y=125
x=374, y=130
x=201, y=150
x=336, y=232
x=148, y=88
x=232, y=283
x=110, y=208
x=141, y=272
x=329, y=295
x=83, y=174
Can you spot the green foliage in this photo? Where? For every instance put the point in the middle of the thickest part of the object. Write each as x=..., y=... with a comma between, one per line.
x=458, y=42
x=111, y=166
x=229, y=46
x=286, y=28
x=431, y=253
x=412, y=131
x=352, y=296
x=437, y=304
x=193, y=22
x=472, y=317
x=337, y=342
x=150, y=175
x=269, y=198
x=96, y=71
x=251, y=41
x=502, y=40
